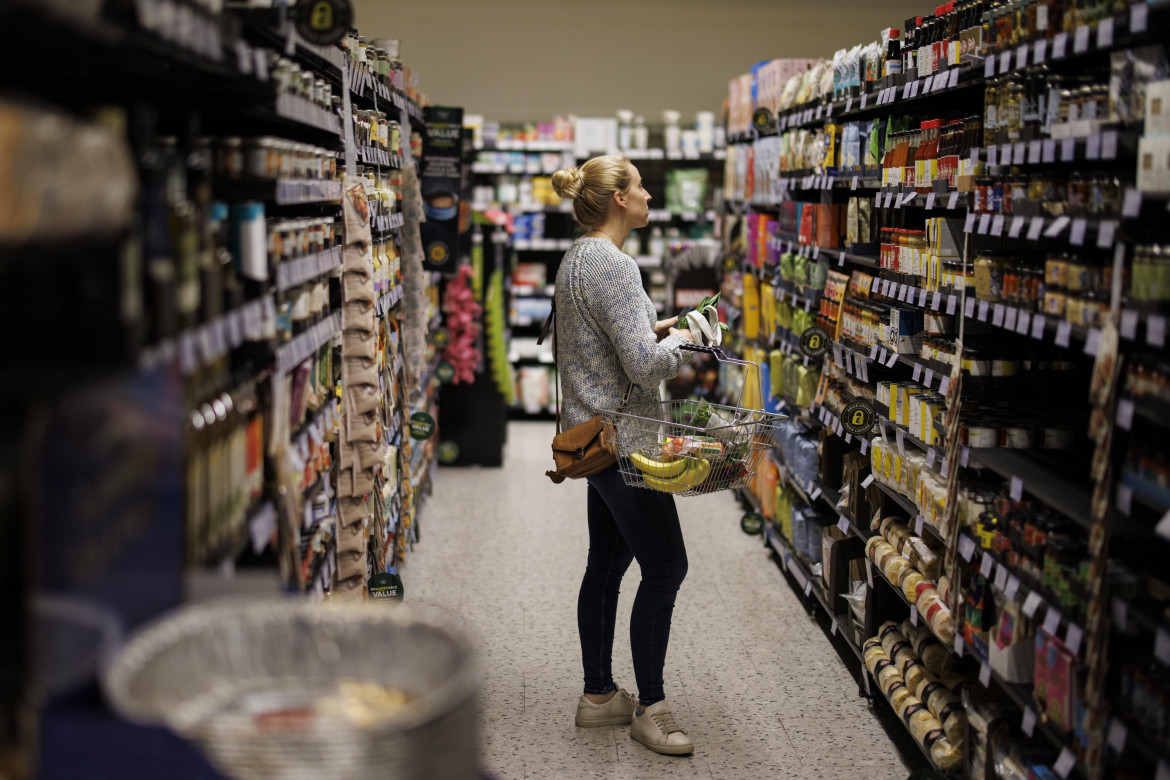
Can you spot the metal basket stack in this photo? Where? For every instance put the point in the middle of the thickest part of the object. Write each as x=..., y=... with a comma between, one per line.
x=248, y=681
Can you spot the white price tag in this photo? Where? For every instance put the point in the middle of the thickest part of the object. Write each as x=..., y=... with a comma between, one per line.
x=1052, y=621
x=1162, y=646
x=1081, y=40
x=935, y=300
x=985, y=675
x=864, y=446
x=867, y=481
x=1139, y=18
x=1162, y=529
x=987, y=565
x=997, y=315
x=928, y=377
x=1040, y=51
x=997, y=225
x=1156, y=330
x=1063, y=333
x=1031, y=604
x=1068, y=149
x=966, y=547
x=952, y=304
x=989, y=67
x=919, y=524
x=1028, y=726
x=1009, y=318
x=1124, y=499
x=953, y=200
x=1017, y=489
x=1117, y=734
x=1105, y=33
x=1049, y=153
x=984, y=224
x=1109, y=145
x=1038, y=322
x=1106, y=233
x=1129, y=323
x=993, y=155
x=901, y=437
x=1058, y=225
x=1067, y=759
x=1125, y=413
x=1023, y=323
x=984, y=307
x=1021, y=57
x=913, y=616
x=929, y=201
x=843, y=525
x=1059, y=46
x=1001, y=576
x=944, y=384
x=953, y=81
x=969, y=225
x=1034, y=152
x=1005, y=61
x=959, y=643
x=917, y=373
x=1093, y=147
x=1035, y=228
x=1073, y=637
x=1012, y=587
x=1076, y=236
x=893, y=359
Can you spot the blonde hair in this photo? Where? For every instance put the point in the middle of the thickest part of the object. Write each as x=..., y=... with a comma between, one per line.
x=591, y=187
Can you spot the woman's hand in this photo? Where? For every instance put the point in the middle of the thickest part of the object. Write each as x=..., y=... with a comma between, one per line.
x=686, y=334
x=663, y=327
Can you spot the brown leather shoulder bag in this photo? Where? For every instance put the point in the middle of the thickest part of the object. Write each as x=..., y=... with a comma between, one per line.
x=584, y=449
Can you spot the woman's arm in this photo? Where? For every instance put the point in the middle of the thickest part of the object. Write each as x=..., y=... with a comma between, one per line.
x=618, y=303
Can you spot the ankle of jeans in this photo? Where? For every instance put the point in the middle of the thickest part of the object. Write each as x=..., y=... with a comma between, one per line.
x=600, y=691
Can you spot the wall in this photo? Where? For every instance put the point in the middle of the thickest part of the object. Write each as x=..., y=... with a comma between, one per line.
x=516, y=60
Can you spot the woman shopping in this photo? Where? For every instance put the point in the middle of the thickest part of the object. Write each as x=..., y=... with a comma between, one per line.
x=612, y=350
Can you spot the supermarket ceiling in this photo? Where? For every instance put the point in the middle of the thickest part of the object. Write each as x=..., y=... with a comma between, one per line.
x=516, y=60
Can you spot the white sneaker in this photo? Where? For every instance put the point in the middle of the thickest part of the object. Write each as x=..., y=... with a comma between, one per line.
x=656, y=729
x=618, y=711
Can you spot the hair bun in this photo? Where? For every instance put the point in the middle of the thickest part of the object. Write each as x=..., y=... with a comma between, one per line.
x=567, y=183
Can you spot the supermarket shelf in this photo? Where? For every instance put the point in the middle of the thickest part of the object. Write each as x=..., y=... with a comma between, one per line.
x=282, y=192
x=1136, y=737
x=371, y=155
x=542, y=244
x=526, y=146
x=1066, y=495
x=305, y=344
x=201, y=346
x=389, y=300
x=387, y=222
x=296, y=272
x=297, y=109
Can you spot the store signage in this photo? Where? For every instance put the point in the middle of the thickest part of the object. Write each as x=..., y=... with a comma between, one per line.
x=422, y=426
x=441, y=184
x=323, y=22
x=752, y=523
x=858, y=418
x=385, y=586
x=444, y=372
x=440, y=337
x=447, y=452
x=815, y=342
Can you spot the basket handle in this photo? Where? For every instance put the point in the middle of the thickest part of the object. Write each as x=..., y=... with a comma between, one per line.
x=722, y=357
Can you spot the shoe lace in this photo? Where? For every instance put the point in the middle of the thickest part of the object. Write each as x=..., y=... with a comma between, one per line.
x=665, y=722
x=629, y=697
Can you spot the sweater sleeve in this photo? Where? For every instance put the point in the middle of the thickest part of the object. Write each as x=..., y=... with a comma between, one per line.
x=618, y=304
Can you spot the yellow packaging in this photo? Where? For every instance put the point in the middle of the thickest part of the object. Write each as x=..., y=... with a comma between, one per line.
x=751, y=307
x=767, y=310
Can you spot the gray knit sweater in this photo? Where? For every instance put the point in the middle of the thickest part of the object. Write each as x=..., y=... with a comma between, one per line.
x=605, y=326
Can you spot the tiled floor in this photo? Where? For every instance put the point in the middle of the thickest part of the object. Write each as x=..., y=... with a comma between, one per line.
x=753, y=679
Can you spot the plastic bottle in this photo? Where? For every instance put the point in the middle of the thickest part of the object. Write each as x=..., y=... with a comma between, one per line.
x=625, y=131
x=641, y=134
x=673, y=136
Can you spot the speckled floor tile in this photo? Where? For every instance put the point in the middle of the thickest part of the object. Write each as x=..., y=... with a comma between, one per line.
x=751, y=677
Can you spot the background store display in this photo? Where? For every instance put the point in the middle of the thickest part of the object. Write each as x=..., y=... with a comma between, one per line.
x=968, y=271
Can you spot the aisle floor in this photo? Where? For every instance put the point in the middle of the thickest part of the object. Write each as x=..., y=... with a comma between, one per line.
x=752, y=678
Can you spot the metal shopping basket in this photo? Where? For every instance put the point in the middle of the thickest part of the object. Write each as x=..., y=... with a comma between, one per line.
x=689, y=448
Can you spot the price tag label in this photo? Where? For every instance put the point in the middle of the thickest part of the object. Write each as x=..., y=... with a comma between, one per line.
x=1001, y=576
x=997, y=225
x=1023, y=323
x=1156, y=330
x=913, y=616
x=1017, y=489
x=1109, y=145
x=959, y=643
x=919, y=524
x=1035, y=228
x=1019, y=153
x=1057, y=227
x=989, y=67
x=953, y=200
x=966, y=547
x=1052, y=621
x=1040, y=51
x=1067, y=759
x=1125, y=414
x=1093, y=147
x=953, y=81
x=985, y=675
x=1117, y=734
x=867, y=481
x=1081, y=40
x=984, y=224
x=1059, y=46
x=1034, y=150
x=1068, y=149
x=993, y=155
x=987, y=565
x=1049, y=150
x=1105, y=33
x=997, y=315
x=1106, y=233
x=969, y=308
x=864, y=446
x=1012, y=587
x=917, y=373
x=1028, y=726
x=1162, y=646
x=1076, y=236
x=1124, y=499
x=1009, y=318
x=1139, y=18
x=1031, y=604
x=984, y=307
x=901, y=437
x=1005, y=61
x=1073, y=637
x=1120, y=613
x=843, y=525
x=1021, y=57
x=1038, y=322
x=1063, y=332
x=1129, y=323
x=935, y=301
x=952, y=304
x=864, y=99
x=928, y=377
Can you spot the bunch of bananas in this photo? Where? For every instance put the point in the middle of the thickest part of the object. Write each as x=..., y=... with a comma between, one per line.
x=675, y=476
